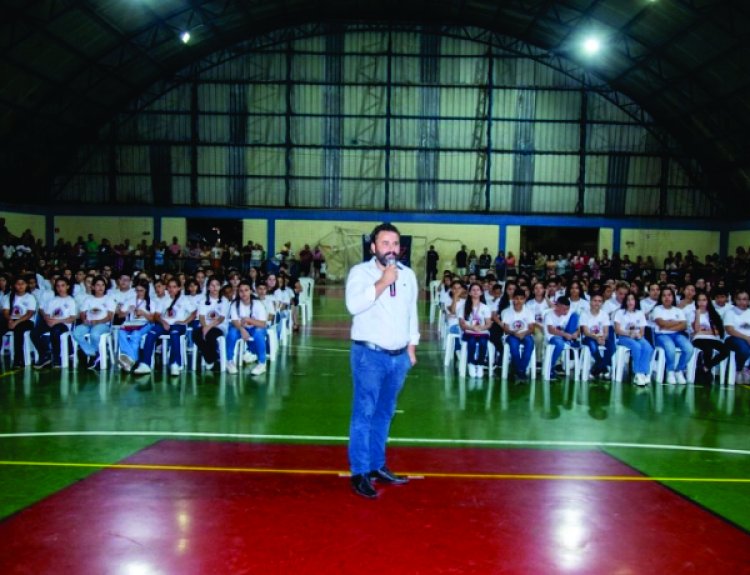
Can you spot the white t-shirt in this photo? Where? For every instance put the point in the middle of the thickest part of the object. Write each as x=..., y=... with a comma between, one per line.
x=671, y=314
x=558, y=321
x=579, y=306
x=213, y=309
x=60, y=308
x=611, y=306
x=517, y=320
x=96, y=308
x=255, y=310
x=132, y=305
x=595, y=323
x=630, y=319
x=21, y=305
x=705, y=325
x=121, y=297
x=538, y=308
x=478, y=316
x=738, y=319
x=180, y=311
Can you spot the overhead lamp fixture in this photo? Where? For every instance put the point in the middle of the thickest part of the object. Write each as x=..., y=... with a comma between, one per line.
x=592, y=45
x=185, y=37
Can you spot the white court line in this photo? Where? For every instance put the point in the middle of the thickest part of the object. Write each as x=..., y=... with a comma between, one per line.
x=404, y=440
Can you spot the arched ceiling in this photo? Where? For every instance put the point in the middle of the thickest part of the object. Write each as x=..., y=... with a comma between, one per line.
x=66, y=66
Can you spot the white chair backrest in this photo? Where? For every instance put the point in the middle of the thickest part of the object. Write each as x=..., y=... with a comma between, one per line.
x=307, y=287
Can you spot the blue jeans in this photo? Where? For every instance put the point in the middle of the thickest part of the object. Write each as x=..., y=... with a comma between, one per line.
x=603, y=360
x=559, y=341
x=741, y=350
x=130, y=341
x=152, y=336
x=670, y=343
x=520, y=361
x=640, y=351
x=257, y=345
x=378, y=379
x=91, y=346
x=476, y=348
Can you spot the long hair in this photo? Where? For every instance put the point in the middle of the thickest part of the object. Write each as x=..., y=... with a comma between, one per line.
x=713, y=316
x=147, y=298
x=175, y=298
x=208, y=292
x=469, y=305
x=237, y=296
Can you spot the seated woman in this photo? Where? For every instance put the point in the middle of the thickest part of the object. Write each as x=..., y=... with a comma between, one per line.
x=247, y=316
x=19, y=308
x=140, y=314
x=96, y=313
x=518, y=325
x=630, y=328
x=708, y=335
x=475, y=319
x=173, y=320
x=561, y=328
x=213, y=314
x=669, y=334
x=58, y=317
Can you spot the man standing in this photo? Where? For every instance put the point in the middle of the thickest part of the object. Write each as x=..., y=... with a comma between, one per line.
x=432, y=264
x=381, y=295
x=461, y=260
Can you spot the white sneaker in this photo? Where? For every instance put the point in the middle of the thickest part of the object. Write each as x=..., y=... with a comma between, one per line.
x=680, y=377
x=480, y=371
x=174, y=369
x=259, y=369
x=472, y=370
x=209, y=366
x=248, y=357
x=142, y=368
x=671, y=377
x=231, y=367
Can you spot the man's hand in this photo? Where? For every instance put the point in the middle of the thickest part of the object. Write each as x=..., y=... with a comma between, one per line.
x=412, y=351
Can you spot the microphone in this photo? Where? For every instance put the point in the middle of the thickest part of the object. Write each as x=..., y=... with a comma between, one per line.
x=391, y=261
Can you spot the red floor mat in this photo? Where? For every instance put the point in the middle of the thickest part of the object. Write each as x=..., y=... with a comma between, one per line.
x=145, y=522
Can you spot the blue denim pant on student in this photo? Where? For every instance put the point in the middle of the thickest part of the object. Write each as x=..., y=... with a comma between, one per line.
x=640, y=352
x=559, y=342
x=91, y=346
x=378, y=379
x=476, y=348
x=670, y=343
x=130, y=341
x=602, y=359
x=256, y=346
x=153, y=335
x=741, y=350
x=520, y=360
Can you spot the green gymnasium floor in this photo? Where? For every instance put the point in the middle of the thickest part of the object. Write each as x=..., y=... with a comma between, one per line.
x=59, y=428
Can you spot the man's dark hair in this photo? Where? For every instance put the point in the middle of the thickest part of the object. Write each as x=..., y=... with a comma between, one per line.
x=385, y=227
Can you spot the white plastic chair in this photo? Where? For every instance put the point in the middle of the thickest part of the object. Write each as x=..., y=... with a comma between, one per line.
x=568, y=351
x=306, y=300
x=28, y=348
x=434, y=298
x=221, y=343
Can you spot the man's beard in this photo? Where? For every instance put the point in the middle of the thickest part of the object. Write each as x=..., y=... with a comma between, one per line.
x=384, y=257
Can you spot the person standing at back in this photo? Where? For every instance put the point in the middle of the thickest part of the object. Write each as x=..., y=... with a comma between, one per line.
x=381, y=295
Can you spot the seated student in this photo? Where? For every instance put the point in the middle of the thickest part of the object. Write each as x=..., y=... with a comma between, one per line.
x=173, y=320
x=19, y=308
x=561, y=328
x=475, y=319
x=708, y=336
x=122, y=295
x=247, y=317
x=538, y=305
x=140, y=313
x=58, y=316
x=213, y=315
x=670, y=335
x=721, y=301
x=595, y=325
x=630, y=328
x=518, y=325
x=737, y=326
x=576, y=295
x=96, y=313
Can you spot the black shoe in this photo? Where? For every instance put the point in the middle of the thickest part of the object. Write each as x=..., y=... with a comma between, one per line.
x=362, y=486
x=42, y=363
x=387, y=476
x=93, y=362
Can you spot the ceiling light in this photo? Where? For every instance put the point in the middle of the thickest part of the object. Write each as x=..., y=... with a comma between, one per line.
x=592, y=45
x=185, y=37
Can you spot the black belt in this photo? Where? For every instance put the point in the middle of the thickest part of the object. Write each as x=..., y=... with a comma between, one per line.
x=374, y=347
